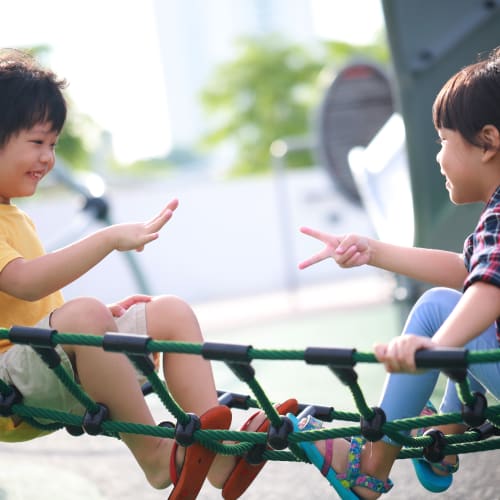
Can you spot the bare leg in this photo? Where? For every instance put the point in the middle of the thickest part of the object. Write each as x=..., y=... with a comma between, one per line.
x=188, y=376
x=110, y=378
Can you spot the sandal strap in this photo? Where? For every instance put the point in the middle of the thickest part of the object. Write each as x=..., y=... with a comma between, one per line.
x=174, y=474
x=353, y=477
x=328, y=457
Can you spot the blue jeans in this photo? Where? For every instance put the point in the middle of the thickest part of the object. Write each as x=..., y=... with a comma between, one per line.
x=405, y=395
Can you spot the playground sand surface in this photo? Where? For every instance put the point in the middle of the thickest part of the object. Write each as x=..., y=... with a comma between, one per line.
x=62, y=467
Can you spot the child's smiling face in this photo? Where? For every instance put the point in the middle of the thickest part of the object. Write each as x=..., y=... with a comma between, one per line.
x=25, y=159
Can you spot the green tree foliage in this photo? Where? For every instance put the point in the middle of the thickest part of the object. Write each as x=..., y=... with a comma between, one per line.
x=270, y=90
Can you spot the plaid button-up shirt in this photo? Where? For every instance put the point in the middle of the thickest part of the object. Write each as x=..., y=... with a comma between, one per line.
x=482, y=248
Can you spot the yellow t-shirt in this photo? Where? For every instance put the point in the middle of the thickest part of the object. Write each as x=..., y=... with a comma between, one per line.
x=19, y=239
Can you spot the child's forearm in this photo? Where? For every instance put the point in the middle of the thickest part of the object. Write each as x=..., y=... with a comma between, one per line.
x=478, y=309
x=36, y=278
x=438, y=267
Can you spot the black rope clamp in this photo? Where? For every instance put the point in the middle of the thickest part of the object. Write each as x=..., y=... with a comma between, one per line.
x=255, y=455
x=320, y=412
x=233, y=400
x=277, y=437
x=7, y=401
x=339, y=360
x=371, y=429
x=184, y=433
x=452, y=361
x=36, y=337
x=74, y=430
x=434, y=452
x=92, y=422
x=125, y=343
x=474, y=415
x=49, y=356
x=486, y=430
x=226, y=352
x=244, y=371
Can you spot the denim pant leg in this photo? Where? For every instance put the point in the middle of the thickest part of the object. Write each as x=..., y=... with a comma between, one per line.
x=482, y=376
x=405, y=395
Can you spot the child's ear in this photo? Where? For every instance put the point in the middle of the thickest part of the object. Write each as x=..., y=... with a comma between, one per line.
x=490, y=137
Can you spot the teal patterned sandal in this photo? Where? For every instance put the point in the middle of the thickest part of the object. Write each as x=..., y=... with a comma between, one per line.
x=341, y=482
x=426, y=470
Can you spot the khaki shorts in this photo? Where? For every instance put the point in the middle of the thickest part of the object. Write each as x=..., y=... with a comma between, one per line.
x=22, y=367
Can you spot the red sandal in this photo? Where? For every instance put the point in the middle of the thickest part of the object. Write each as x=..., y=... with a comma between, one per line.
x=198, y=459
x=244, y=473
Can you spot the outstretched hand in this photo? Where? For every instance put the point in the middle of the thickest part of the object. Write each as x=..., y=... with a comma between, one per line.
x=346, y=250
x=135, y=236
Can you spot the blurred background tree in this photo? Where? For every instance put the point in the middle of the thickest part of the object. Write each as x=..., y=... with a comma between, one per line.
x=270, y=90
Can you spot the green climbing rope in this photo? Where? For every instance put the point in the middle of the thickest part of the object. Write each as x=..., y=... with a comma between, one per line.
x=483, y=420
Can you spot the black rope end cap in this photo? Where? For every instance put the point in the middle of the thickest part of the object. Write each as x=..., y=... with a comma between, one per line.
x=434, y=452
x=474, y=415
x=92, y=422
x=184, y=433
x=371, y=429
x=277, y=437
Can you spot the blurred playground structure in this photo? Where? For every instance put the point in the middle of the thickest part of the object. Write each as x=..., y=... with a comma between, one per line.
x=373, y=138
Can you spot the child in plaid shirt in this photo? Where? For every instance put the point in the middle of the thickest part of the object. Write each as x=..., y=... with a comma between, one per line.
x=466, y=115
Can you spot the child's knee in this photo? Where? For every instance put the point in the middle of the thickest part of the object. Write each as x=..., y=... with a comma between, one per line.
x=438, y=302
x=168, y=313
x=83, y=315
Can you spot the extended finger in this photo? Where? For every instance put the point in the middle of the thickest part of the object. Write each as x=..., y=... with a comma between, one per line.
x=314, y=259
x=319, y=235
x=173, y=204
x=160, y=220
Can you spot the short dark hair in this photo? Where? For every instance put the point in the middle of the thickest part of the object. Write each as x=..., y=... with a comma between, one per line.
x=470, y=99
x=29, y=95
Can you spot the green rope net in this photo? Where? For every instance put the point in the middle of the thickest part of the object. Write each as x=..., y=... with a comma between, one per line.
x=280, y=443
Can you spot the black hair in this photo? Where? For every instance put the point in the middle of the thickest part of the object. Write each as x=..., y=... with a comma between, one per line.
x=29, y=95
x=470, y=99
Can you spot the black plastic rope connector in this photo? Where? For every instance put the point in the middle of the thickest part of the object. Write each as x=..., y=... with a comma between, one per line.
x=255, y=455
x=244, y=371
x=128, y=343
x=234, y=353
x=233, y=400
x=7, y=401
x=486, y=430
x=339, y=360
x=452, y=361
x=36, y=337
x=320, y=412
x=184, y=433
x=49, y=356
x=371, y=429
x=277, y=437
x=434, y=452
x=347, y=376
x=92, y=422
x=74, y=430
x=475, y=415
x=332, y=356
